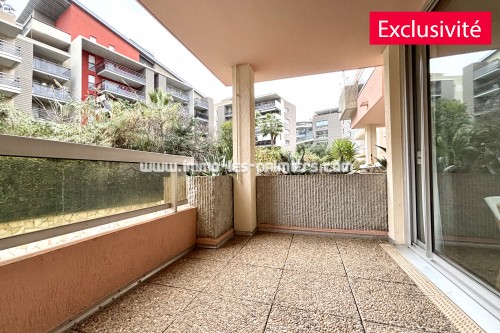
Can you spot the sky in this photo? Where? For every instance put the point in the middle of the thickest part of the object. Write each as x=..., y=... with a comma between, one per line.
x=309, y=93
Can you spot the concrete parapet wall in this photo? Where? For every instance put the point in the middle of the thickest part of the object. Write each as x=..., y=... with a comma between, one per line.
x=349, y=202
x=213, y=199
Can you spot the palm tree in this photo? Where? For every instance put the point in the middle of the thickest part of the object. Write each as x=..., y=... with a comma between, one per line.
x=270, y=125
x=159, y=98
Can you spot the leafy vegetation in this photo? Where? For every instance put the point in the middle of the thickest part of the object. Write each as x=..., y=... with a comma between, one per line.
x=463, y=143
x=270, y=125
x=159, y=126
x=343, y=150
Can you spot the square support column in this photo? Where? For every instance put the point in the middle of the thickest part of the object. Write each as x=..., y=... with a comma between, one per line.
x=370, y=142
x=394, y=94
x=245, y=204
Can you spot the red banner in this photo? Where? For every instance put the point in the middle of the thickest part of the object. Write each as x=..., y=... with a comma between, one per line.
x=450, y=28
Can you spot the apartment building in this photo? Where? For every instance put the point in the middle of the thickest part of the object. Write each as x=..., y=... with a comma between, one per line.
x=362, y=106
x=58, y=50
x=481, y=84
x=324, y=127
x=270, y=103
x=446, y=86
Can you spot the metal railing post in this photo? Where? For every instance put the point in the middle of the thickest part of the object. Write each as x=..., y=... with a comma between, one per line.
x=173, y=190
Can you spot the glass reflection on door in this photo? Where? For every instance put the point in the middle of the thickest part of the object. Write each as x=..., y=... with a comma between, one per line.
x=465, y=161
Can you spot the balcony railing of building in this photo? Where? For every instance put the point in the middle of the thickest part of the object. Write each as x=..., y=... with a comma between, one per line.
x=201, y=104
x=120, y=90
x=305, y=124
x=92, y=192
x=50, y=92
x=48, y=67
x=263, y=143
x=201, y=115
x=305, y=137
x=486, y=70
x=121, y=70
x=10, y=81
x=10, y=48
x=486, y=88
x=177, y=93
x=268, y=106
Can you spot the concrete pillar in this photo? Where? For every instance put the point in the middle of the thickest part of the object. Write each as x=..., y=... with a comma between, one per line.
x=393, y=94
x=245, y=220
x=370, y=142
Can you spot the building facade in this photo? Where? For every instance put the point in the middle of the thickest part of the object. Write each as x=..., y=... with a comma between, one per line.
x=271, y=103
x=362, y=107
x=324, y=127
x=58, y=51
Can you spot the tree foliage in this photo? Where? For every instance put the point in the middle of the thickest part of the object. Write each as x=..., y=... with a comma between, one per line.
x=270, y=125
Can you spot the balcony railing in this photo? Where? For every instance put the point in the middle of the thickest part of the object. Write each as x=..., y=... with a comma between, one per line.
x=10, y=81
x=177, y=93
x=306, y=137
x=41, y=90
x=10, y=48
x=48, y=67
x=201, y=104
x=267, y=106
x=263, y=143
x=91, y=193
x=120, y=70
x=121, y=90
x=483, y=71
x=201, y=115
x=486, y=88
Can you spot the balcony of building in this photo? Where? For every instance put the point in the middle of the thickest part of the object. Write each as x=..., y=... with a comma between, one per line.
x=200, y=104
x=120, y=73
x=487, y=72
x=49, y=70
x=8, y=25
x=178, y=94
x=117, y=90
x=201, y=115
x=305, y=137
x=47, y=92
x=10, y=54
x=10, y=85
x=487, y=88
x=47, y=34
x=268, y=106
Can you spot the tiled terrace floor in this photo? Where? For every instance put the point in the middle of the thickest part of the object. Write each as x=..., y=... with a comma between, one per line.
x=276, y=283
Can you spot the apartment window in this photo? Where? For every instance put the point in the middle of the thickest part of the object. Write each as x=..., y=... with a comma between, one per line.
x=91, y=62
x=93, y=39
x=322, y=123
x=321, y=134
x=287, y=142
x=111, y=47
x=287, y=131
x=91, y=81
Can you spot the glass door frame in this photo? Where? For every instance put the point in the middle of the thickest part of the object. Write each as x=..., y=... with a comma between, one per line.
x=415, y=65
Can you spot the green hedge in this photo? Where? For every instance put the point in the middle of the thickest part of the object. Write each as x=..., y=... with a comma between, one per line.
x=31, y=187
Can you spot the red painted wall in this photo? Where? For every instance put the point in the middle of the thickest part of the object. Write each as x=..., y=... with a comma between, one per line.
x=76, y=22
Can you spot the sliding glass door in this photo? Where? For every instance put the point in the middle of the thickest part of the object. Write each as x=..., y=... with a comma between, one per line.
x=456, y=152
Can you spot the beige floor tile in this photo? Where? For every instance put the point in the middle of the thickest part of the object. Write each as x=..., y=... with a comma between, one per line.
x=398, y=305
x=283, y=320
x=381, y=328
x=147, y=308
x=224, y=253
x=377, y=267
x=268, y=250
x=313, y=241
x=210, y=313
x=316, y=258
x=193, y=274
x=247, y=282
x=316, y=293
